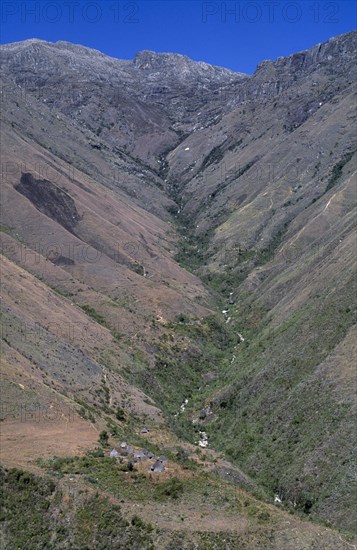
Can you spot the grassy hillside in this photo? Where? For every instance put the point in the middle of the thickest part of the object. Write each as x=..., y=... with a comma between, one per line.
x=67, y=508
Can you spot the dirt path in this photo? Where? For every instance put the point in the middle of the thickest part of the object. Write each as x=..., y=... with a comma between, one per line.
x=107, y=383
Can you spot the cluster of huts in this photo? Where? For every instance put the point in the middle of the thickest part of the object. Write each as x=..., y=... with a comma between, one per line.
x=141, y=455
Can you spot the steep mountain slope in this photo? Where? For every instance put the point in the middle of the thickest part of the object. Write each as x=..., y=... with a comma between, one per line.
x=142, y=198
x=125, y=103
x=277, y=195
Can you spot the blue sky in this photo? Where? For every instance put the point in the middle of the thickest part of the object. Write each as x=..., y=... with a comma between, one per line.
x=233, y=34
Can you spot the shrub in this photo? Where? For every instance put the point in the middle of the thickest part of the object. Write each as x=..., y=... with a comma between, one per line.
x=120, y=414
x=103, y=438
x=173, y=488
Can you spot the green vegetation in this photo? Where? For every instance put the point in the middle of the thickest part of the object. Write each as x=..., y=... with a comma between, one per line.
x=43, y=512
x=40, y=515
x=213, y=157
x=89, y=310
x=103, y=438
x=62, y=292
x=25, y=500
x=137, y=268
x=172, y=488
x=193, y=251
x=122, y=479
x=274, y=408
x=186, y=352
x=5, y=229
x=337, y=170
x=99, y=318
x=120, y=414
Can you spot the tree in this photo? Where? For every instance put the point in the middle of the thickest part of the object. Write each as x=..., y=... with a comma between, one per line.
x=103, y=437
x=120, y=414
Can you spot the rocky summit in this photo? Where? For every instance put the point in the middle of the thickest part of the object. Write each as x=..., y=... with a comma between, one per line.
x=178, y=300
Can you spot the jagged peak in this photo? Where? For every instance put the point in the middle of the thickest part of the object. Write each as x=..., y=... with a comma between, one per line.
x=150, y=60
x=345, y=43
x=24, y=43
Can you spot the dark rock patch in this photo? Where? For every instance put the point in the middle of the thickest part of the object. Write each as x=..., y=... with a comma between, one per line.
x=63, y=260
x=50, y=200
